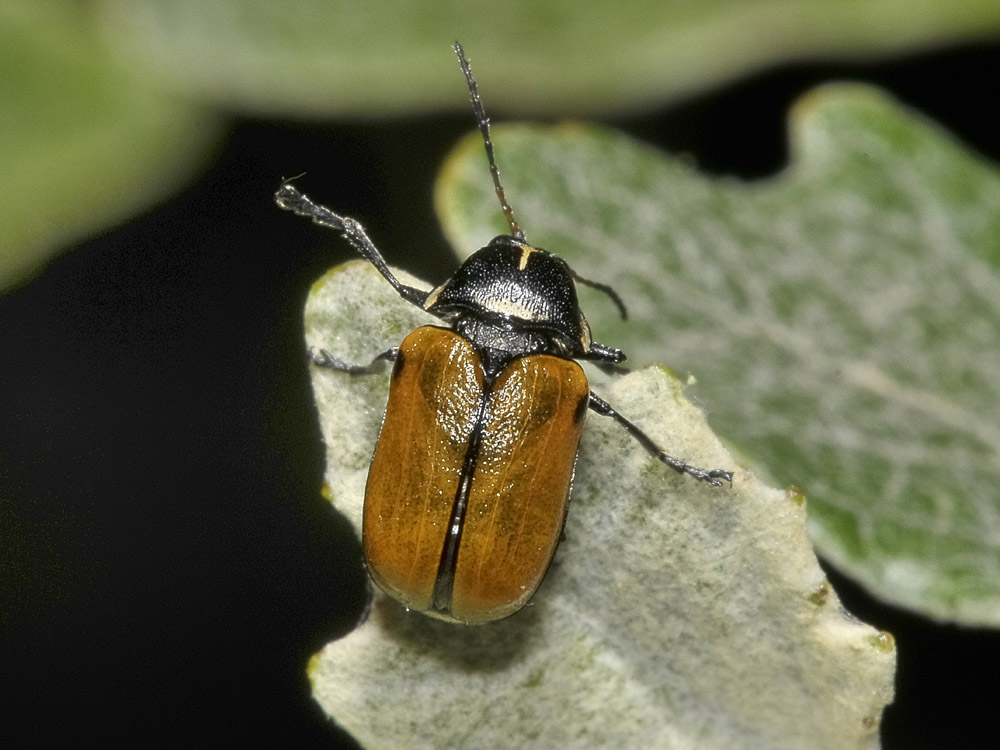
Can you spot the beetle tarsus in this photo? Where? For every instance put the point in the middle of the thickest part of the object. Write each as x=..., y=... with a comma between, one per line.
x=323, y=358
x=714, y=477
x=604, y=355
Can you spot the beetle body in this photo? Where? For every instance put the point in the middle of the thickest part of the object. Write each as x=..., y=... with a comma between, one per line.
x=469, y=484
x=468, y=487
x=470, y=479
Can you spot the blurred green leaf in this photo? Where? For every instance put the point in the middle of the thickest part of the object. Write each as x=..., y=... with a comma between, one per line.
x=677, y=615
x=336, y=57
x=843, y=318
x=83, y=141
x=107, y=106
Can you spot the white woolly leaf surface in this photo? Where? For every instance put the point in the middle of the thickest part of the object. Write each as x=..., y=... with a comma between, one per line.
x=676, y=615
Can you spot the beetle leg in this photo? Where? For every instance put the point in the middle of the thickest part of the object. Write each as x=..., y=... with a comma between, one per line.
x=603, y=355
x=323, y=358
x=714, y=477
x=291, y=199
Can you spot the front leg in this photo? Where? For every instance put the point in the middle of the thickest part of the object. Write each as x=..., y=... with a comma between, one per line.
x=291, y=199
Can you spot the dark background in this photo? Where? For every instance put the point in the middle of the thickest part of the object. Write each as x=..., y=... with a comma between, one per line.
x=167, y=562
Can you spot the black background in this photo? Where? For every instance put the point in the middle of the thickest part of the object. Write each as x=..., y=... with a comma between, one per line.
x=168, y=565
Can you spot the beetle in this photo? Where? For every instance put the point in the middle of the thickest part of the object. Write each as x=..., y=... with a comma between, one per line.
x=470, y=479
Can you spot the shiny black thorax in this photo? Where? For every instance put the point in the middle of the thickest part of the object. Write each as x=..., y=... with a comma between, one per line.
x=510, y=299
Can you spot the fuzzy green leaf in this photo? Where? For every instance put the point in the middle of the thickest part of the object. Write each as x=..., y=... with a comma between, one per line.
x=83, y=141
x=677, y=615
x=842, y=317
x=345, y=57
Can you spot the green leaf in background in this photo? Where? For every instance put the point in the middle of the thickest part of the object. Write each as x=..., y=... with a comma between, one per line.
x=842, y=318
x=84, y=142
x=677, y=615
x=108, y=105
x=336, y=57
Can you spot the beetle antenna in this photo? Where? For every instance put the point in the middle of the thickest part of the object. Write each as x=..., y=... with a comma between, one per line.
x=484, y=127
x=608, y=290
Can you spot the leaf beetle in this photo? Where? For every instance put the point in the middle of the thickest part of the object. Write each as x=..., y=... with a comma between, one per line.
x=470, y=479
